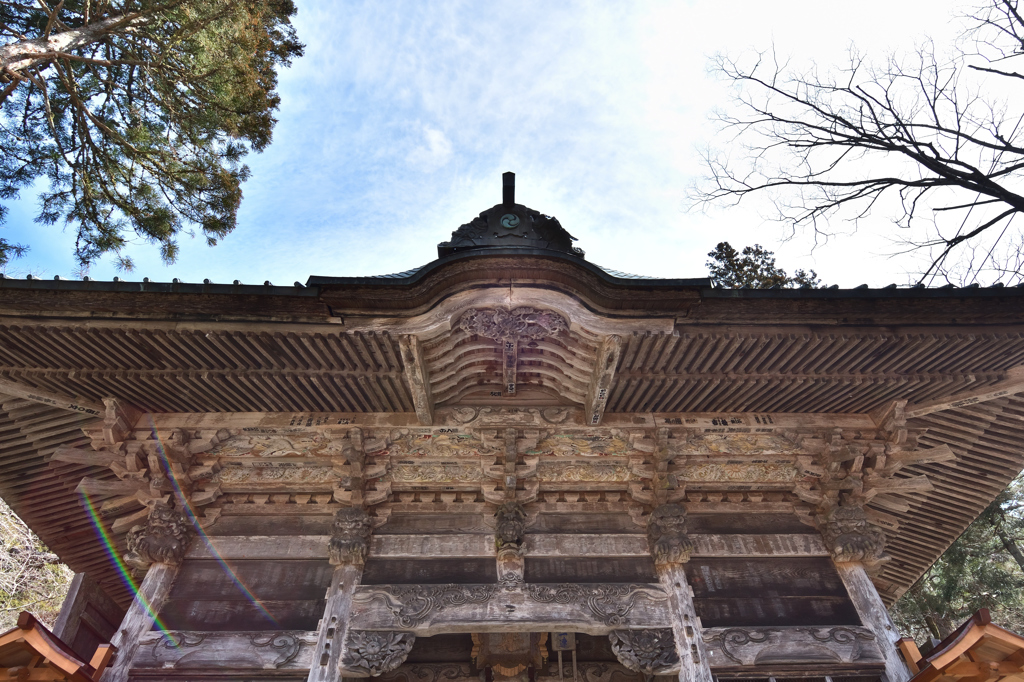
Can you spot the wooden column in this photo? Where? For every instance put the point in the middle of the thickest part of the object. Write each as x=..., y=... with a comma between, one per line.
x=671, y=547
x=349, y=545
x=693, y=655
x=875, y=617
x=334, y=626
x=139, y=620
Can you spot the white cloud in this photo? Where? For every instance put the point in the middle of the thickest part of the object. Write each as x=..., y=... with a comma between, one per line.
x=434, y=152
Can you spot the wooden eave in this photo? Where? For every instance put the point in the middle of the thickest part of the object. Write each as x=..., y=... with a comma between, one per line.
x=977, y=650
x=336, y=346
x=61, y=663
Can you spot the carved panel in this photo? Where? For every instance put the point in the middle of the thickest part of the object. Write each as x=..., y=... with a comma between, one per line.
x=243, y=478
x=587, y=607
x=507, y=416
x=768, y=646
x=553, y=472
x=402, y=443
x=777, y=471
x=369, y=653
x=436, y=472
x=610, y=603
x=517, y=323
x=737, y=444
x=651, y=652
x=300, y=444
x=224, y=651
x=411, y=605
x=580, y=445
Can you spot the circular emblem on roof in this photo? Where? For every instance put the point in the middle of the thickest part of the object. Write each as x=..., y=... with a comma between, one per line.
x=510, y=221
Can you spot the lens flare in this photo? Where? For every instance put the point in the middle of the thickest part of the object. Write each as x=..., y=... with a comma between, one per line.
x=115, y=557
x=187, y=509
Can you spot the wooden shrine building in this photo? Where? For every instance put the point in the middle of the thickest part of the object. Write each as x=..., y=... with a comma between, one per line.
x=504, y=459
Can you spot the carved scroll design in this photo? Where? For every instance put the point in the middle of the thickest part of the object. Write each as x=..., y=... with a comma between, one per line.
x=517, y=323
x=755, y=646
x=738, y=444
x=369, y=653
x=413, y=604
x=276, y=475
x=610, y=603
x=714, y=472
x=199, y=650
x=164, y=539
x=651, y=652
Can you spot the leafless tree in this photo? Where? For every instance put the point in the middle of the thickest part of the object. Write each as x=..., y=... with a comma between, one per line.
x=31, y=577
x=935, y=137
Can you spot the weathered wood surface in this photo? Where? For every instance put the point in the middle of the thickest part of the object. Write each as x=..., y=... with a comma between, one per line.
x=72, y=404
x=694, y=662
x=591, y=569
x=479, y=545
x=227, y=615
x=1013, y=383
x=748, y=577
x=202, y=650
x=737, y=648
x=435, y=571
x=437, y=609
x=244, y=579
x=599, y=390
x=417, y=375
x=139, y=619
x=336, y=621
x=875, y=617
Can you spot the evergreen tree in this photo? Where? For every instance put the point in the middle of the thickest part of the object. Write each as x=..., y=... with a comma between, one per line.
x=983, y=568
x=137, y=113
x=755, y=268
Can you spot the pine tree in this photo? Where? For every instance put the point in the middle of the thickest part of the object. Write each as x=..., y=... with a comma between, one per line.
x=137, y=113
x=755, y=268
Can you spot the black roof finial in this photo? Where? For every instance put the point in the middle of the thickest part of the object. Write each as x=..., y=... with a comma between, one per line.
x=508, y=188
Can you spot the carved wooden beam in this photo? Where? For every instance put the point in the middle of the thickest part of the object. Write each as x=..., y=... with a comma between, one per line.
x=1013, y=383
x=238, y=547
x=182, y=650
x=601, y=379
x=436, y=609
x=44, y=397
x=736, y=648
x=417, y=377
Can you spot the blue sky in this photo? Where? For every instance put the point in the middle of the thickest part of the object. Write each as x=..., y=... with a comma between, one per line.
x=396, y=126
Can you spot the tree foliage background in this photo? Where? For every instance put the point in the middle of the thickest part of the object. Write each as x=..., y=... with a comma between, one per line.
x=136, y=114
x=984, y=568
x=32, y=578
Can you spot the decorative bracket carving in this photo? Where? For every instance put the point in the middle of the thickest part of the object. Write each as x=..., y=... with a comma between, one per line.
x=164, y=539
x=350, y=537
x=850, y=537
x=369, y=653
x=651, y=652
x=666, y=535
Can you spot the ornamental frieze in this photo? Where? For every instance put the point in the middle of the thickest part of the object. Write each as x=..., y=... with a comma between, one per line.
x=737, y=444
x=737, y=472
x=302, y=444
x=436, y=472
x=586, y=471
x=580, y=445
x=255, y=477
